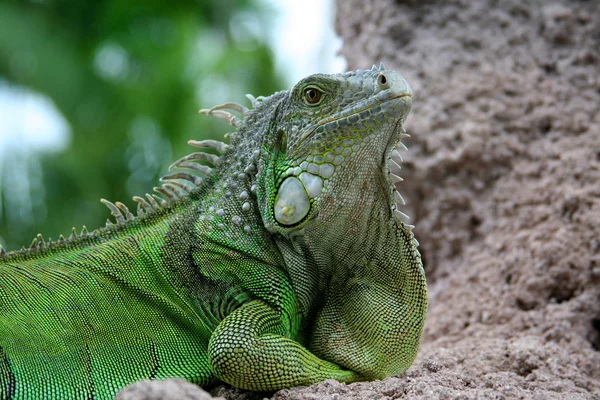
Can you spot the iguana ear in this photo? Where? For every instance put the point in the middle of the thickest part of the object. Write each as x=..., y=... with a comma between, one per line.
x=280, y=143
x=292, y=203
x=272, y=178
x=288, y=202
x=282, y=199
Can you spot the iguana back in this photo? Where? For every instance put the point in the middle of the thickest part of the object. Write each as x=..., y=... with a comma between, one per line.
x=241, y=275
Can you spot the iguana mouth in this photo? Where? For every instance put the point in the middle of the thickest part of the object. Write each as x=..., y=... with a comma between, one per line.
x=347, y=113
x=366, y=106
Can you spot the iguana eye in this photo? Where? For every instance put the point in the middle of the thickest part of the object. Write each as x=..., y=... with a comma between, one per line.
x=312, y=95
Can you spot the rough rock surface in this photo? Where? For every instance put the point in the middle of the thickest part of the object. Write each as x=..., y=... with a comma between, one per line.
x=175, y=389
x=503, y=184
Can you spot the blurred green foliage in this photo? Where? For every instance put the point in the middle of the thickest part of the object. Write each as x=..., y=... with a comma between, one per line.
x=129, y=77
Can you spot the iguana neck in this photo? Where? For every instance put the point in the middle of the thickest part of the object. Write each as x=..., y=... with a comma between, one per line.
x=326, y=253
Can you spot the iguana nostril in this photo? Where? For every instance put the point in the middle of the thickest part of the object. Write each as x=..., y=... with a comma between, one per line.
x=382, y=80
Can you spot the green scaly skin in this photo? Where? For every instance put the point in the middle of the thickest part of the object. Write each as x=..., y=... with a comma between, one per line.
x=286, y=265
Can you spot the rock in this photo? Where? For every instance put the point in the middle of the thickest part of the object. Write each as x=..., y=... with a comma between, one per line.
x=169, y=389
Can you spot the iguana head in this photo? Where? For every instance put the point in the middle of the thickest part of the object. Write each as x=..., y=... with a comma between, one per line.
x=334, y=139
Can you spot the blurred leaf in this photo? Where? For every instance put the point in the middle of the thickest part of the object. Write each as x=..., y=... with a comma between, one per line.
x=129, y=77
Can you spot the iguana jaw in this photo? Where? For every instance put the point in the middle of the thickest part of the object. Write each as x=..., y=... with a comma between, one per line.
x=367, y=105
x=345, y=116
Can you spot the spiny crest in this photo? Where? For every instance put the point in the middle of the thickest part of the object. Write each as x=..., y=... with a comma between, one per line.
x=175, y=186
x=381, y=67
x=180, y=184
x=38, y=243
x=394, y=172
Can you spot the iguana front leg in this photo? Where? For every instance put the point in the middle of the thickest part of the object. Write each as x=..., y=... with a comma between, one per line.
x=249, y=350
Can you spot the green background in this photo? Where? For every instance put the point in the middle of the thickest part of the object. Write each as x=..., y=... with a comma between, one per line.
x=129, y=77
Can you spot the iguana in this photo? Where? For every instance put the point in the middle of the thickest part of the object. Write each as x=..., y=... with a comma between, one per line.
x=285, y=264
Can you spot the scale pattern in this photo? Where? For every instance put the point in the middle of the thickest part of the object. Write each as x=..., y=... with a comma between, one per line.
x=285, y=262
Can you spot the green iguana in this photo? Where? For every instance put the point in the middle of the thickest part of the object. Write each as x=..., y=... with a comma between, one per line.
x=288, y=263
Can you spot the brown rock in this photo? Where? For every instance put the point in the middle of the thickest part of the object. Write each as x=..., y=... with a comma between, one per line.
x=503, y=181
